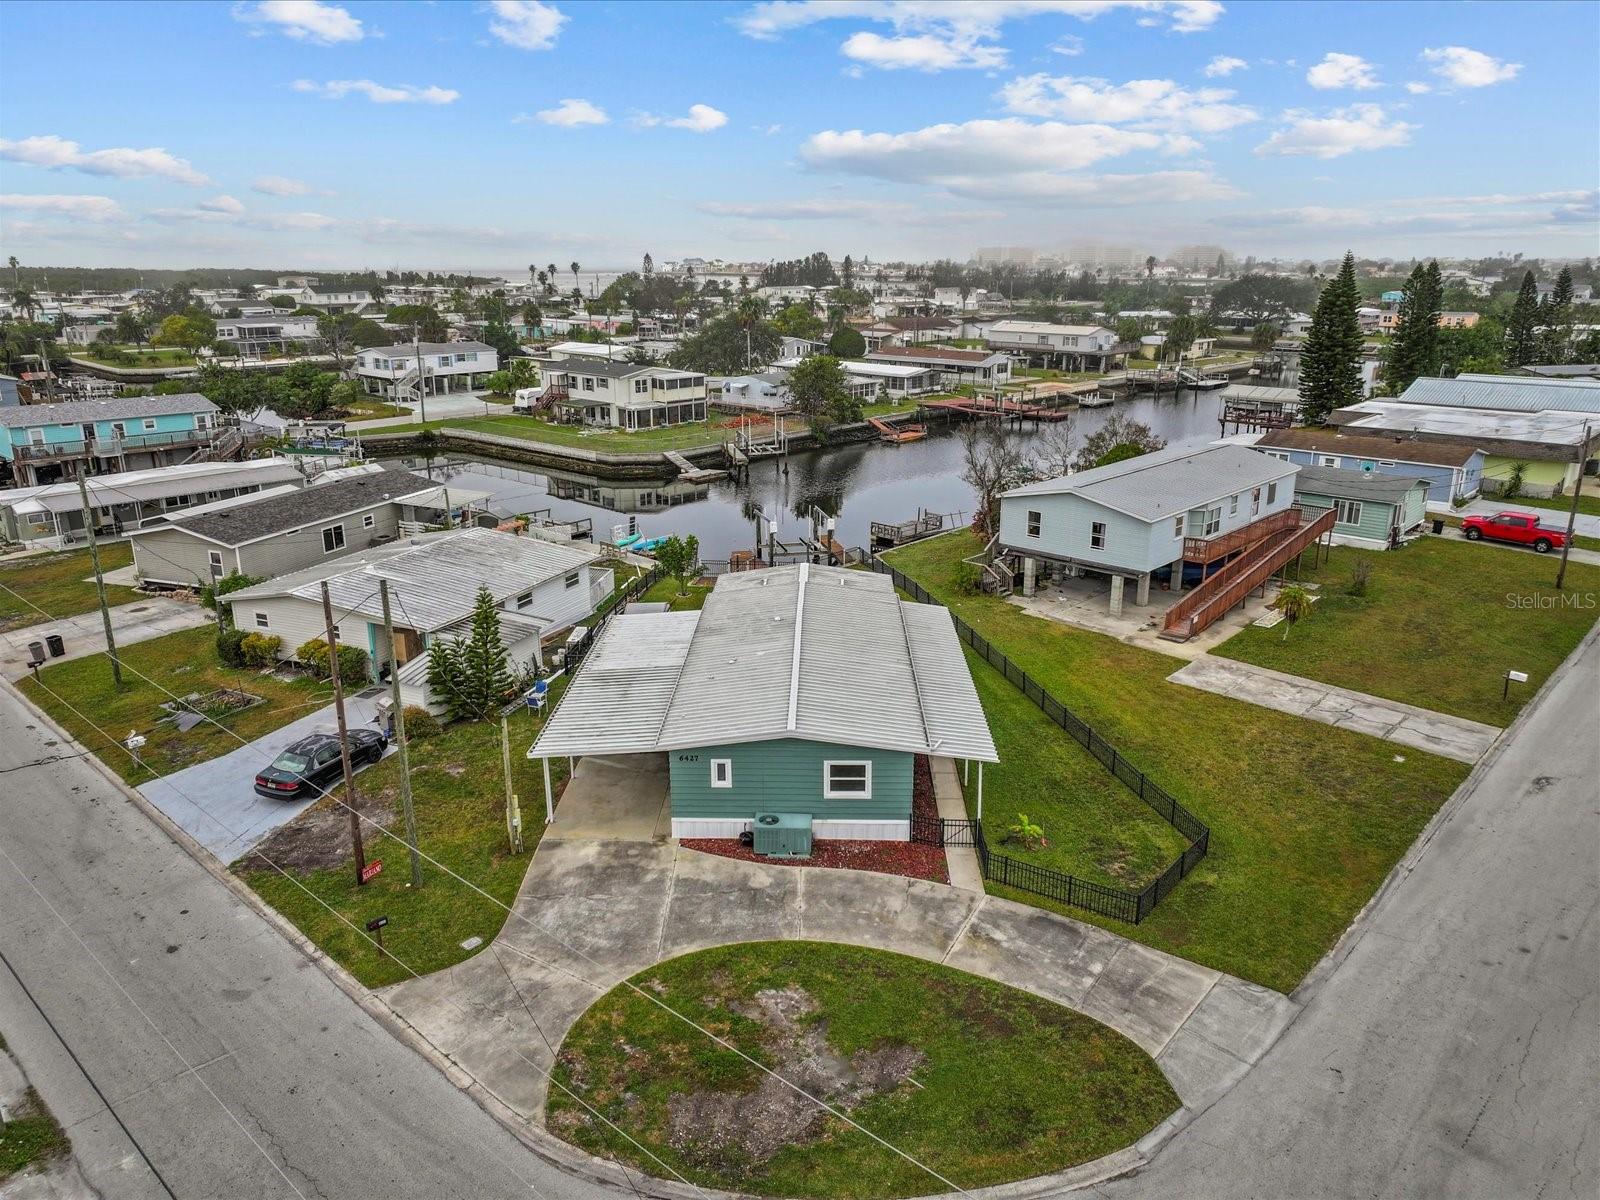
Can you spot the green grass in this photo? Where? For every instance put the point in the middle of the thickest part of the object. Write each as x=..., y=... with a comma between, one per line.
x=459, y=795
x=61, y=584
x=147, y=356
x=688, y=436
x=1579, y=542
x=665, y=591
x=1588, y=502
x=1050, y=373
x=1009, y=1085
x=1439, y=626
x=1306, y=819
x=29, y=1138
x=1094, y=827
x=183, y=663
x=370, y=408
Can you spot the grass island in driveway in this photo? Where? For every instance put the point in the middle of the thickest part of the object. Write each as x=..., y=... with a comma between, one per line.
x=979, y=1081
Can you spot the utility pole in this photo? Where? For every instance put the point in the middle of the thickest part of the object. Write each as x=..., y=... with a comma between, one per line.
x=344, y=739
x=100, y=579
x=422, y=387
x=513, y=809
x=400, y=740
x=1572, y=513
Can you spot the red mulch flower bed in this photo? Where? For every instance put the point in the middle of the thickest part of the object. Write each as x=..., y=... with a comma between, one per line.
x=911, y=859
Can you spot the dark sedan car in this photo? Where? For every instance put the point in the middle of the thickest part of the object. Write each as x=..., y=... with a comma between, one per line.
x=312, y=763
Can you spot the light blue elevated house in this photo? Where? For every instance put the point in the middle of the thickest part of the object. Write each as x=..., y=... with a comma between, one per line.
x=802, y=691
x=1159, y=511
x=44, y=443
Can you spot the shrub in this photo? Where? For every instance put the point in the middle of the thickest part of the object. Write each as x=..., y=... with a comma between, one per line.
x=420, y=723
x=352, y=661
x=261, y=649
x=969, y=578
x=230, y=647
x=1359, y=575
x=231, y=582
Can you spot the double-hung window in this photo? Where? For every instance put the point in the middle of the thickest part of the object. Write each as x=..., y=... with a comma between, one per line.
x=1035, y=522
x=571, y=580
x=1177, y=526
x=847, y=780
x=368, y=521
x=1233, y=506
x=332, y=539
x=1213, y=525
x=1097, y=535
x=262, y=622
x=1347, y=512
x=1272, y=492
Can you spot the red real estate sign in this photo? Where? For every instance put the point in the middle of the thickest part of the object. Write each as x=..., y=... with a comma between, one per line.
x=371, y=869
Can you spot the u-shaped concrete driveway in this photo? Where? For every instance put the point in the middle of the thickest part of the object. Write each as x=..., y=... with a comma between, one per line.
x=594, y=910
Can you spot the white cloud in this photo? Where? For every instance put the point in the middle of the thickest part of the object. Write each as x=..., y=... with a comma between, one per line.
x=1224, y=65
x=79, y=208
x=1466, y=68
x=1097, y=191
x=58, y=154
x=701, y=118
x=1342, y=131
x=303, y=20
x=921, y=52
x=378, y=93
x=806, y=210
x=1417, y=88
x=222, y=204
x=280, y=185
x=939, y=35
x=526, y=24
x=1444, y=215
x=1342, y=71
x=570, y=114
x=1152, y=103
x=943, y=151
x=1067, y=46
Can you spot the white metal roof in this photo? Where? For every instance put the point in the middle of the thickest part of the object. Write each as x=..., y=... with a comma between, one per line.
x=1552, y=427
x=1045, y=327
x=808, y=652
x=1154, y=486
x=155, y=484
x=855, y=366
x=1510, y=393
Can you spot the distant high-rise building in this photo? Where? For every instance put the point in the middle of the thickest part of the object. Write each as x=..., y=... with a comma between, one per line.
x=1098, y=254
x=1021, y=256
x=1202, y=257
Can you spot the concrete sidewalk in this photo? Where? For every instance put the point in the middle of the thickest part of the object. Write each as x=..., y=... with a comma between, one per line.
x=960, y=861
x=152, y=617
x=592, y=912
x=1452, y=737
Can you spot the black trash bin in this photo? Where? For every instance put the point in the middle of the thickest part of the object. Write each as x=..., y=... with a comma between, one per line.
x=1438, y=524
x=56, y=646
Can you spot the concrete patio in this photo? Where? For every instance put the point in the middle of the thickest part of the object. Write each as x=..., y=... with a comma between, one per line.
x=1437, y=733
x=152, y=617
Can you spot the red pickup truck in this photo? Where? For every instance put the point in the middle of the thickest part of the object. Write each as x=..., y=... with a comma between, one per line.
x=1522, y=528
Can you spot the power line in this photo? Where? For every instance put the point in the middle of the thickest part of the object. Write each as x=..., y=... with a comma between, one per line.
x=629, y=984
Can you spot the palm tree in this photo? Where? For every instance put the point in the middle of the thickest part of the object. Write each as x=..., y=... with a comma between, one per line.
x=533, y=274
x=23, y=299
x=532, y=317
x=1149, y=267
x=12, y=263
x=1294, y=602
x=574, y=269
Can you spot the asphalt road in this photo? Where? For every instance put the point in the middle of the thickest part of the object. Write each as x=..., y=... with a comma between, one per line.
x=236, y=1065
x=1455, y=1051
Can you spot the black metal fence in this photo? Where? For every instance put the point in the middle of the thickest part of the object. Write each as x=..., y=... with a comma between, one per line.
x=610, y=607
x=1118, y=903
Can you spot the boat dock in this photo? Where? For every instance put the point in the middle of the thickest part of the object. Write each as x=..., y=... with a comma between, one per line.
x=1254, y=407
x=1001, y=408
x=923, y=525
x=688, y=472
x=897, y=434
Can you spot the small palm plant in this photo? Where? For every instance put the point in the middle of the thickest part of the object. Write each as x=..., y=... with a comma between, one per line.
x=1294, y=602
x=1026, y=832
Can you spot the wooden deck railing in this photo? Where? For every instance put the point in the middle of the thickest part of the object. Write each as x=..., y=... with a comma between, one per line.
x=1205, y=550
x=1239, y=578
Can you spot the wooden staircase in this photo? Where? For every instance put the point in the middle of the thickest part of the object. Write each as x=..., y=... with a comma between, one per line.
x=1251, y=569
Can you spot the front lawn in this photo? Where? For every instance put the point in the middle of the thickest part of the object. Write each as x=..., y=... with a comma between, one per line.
x=665, y=591
x=140, y=356
x=981, y=1082
x=1306, y=819
x=1440, y=624
x=61, y=584
x=687, y=436
x=370, y=408
x=81, y=691
x=458, y=791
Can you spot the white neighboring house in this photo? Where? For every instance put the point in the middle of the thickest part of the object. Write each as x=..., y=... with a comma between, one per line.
x=765, y=391
x=587, y=352
x=541, y=588
x=986, y=368
x=256, y=336
x=87, y=333
x=1070, y=347
x=411, y=370
x=897, y=380
x=624, y=395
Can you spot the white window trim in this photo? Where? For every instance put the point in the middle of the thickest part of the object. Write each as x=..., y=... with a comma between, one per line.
x=368, y=521
x=722, y=772
x=1035, y=523
x=1177, y=525
x=1347, y=512
x=1103, y=535
x=262, y=621
x=326, y=530
x=827, y=779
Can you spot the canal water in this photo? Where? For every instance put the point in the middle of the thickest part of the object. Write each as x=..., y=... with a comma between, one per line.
x=857, y=483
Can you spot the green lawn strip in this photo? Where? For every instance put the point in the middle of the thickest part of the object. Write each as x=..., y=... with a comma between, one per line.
x=1094, y=827
x=183, y=663
x=30, y=1138
x=688, y=436
x=61, y=584
x=1306, y=819
x=1440, y=624
x=665, y=591
x=1588, y=502
x=459, y=794
x=1011, y=1085
x=373, y=409
x=146, y=356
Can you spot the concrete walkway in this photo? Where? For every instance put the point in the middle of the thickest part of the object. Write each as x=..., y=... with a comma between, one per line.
x=594, y=911
x=960, y=861
x=1453, y=737
x=140, y=621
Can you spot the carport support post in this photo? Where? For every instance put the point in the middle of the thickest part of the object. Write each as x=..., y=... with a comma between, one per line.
x=400, y=740
x=344, y=740
x=549, y=808
x=980, y=789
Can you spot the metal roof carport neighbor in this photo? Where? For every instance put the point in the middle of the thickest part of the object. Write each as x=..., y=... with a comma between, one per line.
x=800, y=652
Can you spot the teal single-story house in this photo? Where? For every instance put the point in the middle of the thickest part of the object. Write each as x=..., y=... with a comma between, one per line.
x=804, y=691
x=1371, y=510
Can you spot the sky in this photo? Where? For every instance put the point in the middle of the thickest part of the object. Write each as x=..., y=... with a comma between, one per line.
x=485, y=136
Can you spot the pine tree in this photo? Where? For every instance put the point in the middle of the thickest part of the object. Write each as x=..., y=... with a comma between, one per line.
x=444, y=673
x=485, y=667
x=1522, y=336
x=1555, y=339
x=1330, y=366
x=1414, y=350
x=1431, y=360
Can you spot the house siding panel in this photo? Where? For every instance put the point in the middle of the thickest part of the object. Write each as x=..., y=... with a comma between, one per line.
x=172, y=557
x=1444, y=483
x=786, y=776
x=282, y=553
